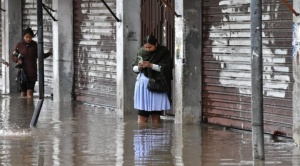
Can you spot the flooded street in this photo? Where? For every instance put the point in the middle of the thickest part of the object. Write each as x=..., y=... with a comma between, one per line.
x=83, y=135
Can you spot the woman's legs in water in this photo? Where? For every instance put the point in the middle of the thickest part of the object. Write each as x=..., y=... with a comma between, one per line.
x=30, y=93
x=23, y=89
x=142, y=119
x=27, y=89
x=30, y=88
x=144, y=115
x=23, y=94
x=155, y=118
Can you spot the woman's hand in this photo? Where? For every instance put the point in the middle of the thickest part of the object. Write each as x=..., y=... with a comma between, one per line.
x=147, y=64
x=140, y=66
x=19, y=62
x=50, y=51
x=4, y=62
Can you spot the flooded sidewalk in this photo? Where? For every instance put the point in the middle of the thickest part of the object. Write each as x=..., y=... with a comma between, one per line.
x=78, y=134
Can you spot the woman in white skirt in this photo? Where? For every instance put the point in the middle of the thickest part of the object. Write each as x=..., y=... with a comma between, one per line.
x=152, y=62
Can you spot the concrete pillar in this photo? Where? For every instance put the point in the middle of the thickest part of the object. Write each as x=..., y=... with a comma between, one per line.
x=295, y=157
x=11, y=35
x=296, y=73
x=128, y=43
x=63, y=64
x=188, y=58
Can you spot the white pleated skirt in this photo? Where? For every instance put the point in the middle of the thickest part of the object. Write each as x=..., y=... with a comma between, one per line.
x=146, y=100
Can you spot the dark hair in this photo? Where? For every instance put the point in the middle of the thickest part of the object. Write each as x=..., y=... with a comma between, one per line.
x=28, y=31
x=150, y=39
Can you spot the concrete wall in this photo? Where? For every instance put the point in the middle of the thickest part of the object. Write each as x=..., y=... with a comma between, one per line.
x=188, y=48
x=63, y=64
x=11, y=35
x=128, y=43
x=296, y=73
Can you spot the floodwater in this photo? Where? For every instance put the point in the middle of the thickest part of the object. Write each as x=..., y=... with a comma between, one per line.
x=76, y=134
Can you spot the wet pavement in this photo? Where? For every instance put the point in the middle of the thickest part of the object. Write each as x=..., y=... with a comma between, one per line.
x=76, y=134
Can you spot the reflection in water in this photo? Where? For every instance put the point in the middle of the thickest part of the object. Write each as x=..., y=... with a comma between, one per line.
x=119, y=143
x=4, y=113
x=75, y=134
x=152, y=145
x=296, y=156
x=10, y=133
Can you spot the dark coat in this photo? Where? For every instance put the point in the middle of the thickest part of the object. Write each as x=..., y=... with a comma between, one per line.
x=30, y=53
x=161, y=56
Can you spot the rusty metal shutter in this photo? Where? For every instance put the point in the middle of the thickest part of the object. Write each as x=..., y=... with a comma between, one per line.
x=95, y=53
x=157, y=20
x=30, y=20
x=227, y=64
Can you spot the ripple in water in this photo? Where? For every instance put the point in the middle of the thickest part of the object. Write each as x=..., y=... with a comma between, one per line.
x=20, y=133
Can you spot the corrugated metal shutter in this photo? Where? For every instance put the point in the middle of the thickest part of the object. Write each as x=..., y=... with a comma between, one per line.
x=227, y=64
x=1, y=41
x=30, y=20
x=95, y=53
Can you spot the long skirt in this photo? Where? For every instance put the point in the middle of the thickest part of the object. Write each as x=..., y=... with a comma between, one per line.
x=146, y=100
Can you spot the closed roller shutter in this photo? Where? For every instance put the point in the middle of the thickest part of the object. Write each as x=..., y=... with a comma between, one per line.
x=227, y=64
x=95, y=53
x=30, y=20
x=1, y=41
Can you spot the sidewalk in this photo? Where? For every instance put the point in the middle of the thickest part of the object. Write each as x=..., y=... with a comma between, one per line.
x=76, y=134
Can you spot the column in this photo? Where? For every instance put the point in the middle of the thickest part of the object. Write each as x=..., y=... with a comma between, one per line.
x=63, y=63
x=188, y=59
x=128, y=43
x=11, y=35
x=296, y=73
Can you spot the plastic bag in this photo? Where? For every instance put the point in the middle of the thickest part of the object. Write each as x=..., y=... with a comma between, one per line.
x=21, y=76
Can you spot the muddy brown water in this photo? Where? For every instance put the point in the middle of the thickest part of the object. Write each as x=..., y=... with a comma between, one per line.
x=76, y=134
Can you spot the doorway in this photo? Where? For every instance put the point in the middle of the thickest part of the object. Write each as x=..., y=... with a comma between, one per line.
x=157, y=20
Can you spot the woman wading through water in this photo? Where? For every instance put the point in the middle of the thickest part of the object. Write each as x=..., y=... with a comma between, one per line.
x=153, y=62
x=25, y=55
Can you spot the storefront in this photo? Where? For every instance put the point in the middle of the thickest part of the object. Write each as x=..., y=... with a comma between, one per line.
x=95, y=53
x=226, y=84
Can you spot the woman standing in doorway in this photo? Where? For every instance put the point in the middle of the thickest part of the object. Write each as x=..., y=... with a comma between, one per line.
x=152, y=62
x=25, y=55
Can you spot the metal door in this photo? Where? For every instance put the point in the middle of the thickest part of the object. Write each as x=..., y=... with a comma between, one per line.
x=30, y=20
x=1, y=41
x=227, y=65
x=95, y=53
x=157, y=20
